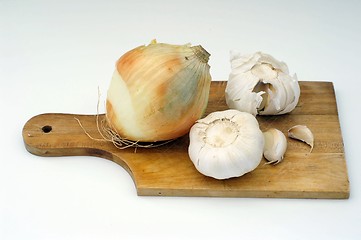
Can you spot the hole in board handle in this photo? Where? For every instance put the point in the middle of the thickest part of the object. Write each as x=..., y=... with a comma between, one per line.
x=47, y=129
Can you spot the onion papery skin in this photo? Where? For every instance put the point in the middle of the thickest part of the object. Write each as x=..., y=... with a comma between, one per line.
x=158, y=91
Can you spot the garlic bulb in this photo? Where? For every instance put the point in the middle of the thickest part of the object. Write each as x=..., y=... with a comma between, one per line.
x=226, y=144
x=275, y=145
x=260, y=84
x=158, y=91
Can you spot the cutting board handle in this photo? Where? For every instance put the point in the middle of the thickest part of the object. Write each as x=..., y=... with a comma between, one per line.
x=58, y=134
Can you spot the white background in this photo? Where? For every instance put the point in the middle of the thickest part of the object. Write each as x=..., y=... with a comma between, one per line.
x=55, y=54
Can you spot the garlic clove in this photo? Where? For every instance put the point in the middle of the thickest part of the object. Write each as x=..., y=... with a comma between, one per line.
x=275, y=146
x=264, y=71
x=301, y=133
x=239, y=97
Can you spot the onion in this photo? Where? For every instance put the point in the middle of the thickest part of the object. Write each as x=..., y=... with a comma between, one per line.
x=158, y=91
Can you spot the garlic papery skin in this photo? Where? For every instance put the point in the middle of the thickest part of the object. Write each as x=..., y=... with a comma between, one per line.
x=260, y=84
x=275, y=145
x=158, y=91
x=302, y=133
x=226, y=144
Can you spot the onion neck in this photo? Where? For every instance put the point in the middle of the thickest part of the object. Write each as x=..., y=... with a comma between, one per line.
x=201, y=53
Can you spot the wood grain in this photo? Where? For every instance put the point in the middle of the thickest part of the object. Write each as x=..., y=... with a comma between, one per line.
x=168, y=171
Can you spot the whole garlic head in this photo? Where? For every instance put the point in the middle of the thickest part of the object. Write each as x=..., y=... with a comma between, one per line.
x=260, y=84
x=226, y=144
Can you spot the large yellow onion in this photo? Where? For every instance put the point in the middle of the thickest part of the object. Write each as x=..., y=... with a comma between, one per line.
x=158, y=91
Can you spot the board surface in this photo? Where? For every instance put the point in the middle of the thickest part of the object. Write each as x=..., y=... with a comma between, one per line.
x=168, y=171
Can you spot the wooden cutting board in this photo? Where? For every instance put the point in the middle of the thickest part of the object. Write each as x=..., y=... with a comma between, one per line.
x=168, y=171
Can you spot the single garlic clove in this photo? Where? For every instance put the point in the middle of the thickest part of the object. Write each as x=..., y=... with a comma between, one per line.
x=302, y=133
x=275, y=146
